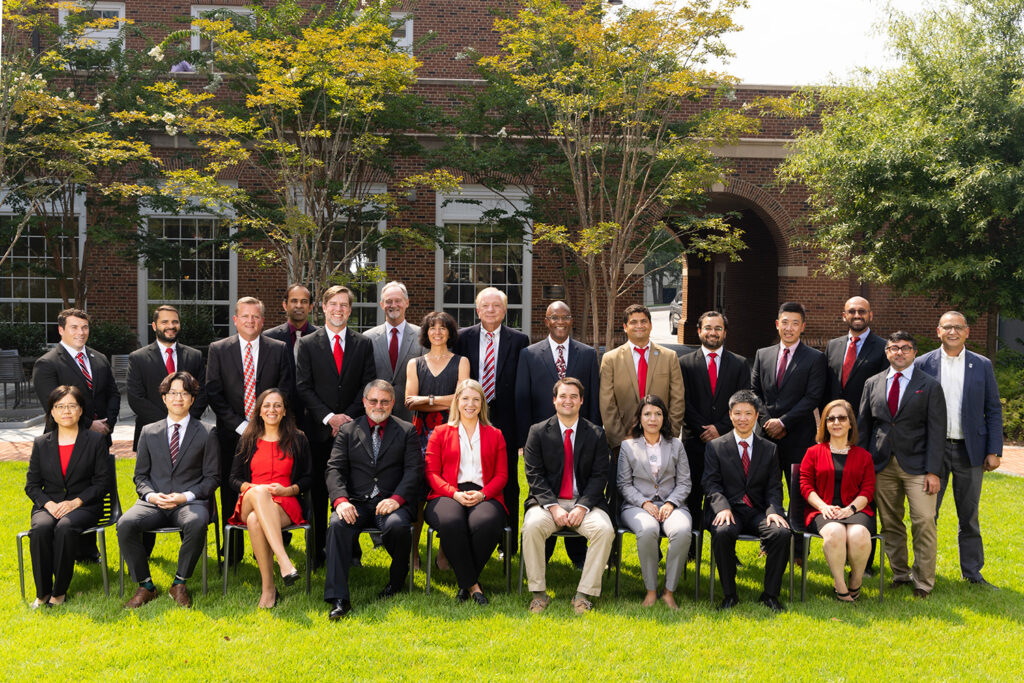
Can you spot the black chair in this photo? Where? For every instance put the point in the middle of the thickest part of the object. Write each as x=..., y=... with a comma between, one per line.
x=110, y=512
x=797, y=506
x=241, y=528
x=507, y=562
x=697, y=535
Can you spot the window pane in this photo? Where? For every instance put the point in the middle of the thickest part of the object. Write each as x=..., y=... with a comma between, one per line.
x=477, y=257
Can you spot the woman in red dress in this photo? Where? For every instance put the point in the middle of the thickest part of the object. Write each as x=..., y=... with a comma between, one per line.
x=271, y=469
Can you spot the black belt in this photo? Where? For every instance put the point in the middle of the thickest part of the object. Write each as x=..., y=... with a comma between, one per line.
x=954, y=441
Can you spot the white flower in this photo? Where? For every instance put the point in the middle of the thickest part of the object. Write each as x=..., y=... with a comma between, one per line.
x=168, y=118
x=156, y=53
x=502, y=133
x=171, y=130
x=293, y=73
x=99, y=99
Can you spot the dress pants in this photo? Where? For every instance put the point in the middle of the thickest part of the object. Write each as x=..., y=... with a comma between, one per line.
x=342, y=536
x=228, y=442
x=677, y=528
x=892, y=485
x=596, y=527
x=695, y=457
x=774, y=541
x=192, y=518
x=320, y=509
x=967, y=498
x=468, y=534
x=53, y=544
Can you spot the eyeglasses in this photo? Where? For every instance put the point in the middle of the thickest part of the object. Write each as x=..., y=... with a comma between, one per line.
x=559, y=318
x=67, y=407
x=951, y=328
x=382, y=402
x=857, y=311
x=900, y=349
x=836, y=418
x=178, y=394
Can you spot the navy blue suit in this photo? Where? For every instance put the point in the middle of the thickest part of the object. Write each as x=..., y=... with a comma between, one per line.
x=536, y=376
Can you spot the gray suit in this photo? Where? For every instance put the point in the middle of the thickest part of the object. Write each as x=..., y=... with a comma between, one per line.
x=408, y=349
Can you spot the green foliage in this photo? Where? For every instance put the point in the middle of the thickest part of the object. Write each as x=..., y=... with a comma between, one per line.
x=1010, y=378
x=29, y=340
x=112, y=338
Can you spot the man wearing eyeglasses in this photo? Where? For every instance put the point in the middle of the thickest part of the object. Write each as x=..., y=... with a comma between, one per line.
x=974, y=432
x=902, y=423
x=854, y=356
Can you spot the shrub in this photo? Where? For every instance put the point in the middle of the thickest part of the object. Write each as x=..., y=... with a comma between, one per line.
x=112, y=338
x=29, y=340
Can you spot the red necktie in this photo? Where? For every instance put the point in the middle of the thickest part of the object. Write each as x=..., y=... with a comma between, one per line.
x=712, y=372
x=170, y=361
x=339, y=354
x=641, y=372
x=566, y=489
x=393, y=348
x=249, y=383
x=487, y=380
x=782, y=369
x=745, y=459
x=85, y=370
x=560, y=363
x=894, y=394
x=851, y=356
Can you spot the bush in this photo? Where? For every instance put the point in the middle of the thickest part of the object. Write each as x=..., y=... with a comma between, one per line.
x=110, y=338
x=29, y=340
x=1010, y=378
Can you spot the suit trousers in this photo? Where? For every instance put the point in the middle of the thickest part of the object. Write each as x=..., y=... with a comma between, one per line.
x=320, y=510
x=966, y=498
x=53, y=544
x=774, y=541
x=677, y=528
x=695, y=458
x=468, y=534
x=192, y=518
x=341, y=536
x=228, y=442
x=596, y=527
x=892, y=485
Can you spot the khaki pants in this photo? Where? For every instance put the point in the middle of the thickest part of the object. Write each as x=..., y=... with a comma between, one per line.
x=892, y=485
x=596, y=527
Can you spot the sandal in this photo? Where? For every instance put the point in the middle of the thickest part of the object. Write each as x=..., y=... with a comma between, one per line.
x=842, y=597
x=855, y=593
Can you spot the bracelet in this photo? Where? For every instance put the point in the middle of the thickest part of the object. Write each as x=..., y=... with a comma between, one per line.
x=431, y=399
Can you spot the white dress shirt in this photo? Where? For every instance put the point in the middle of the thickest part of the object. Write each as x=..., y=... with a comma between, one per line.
x=654, y=455
x=174, y=353
x=792, y=351
x=633, y=349
x=572, y=439
x=483, y=352
x=904, y=381
x=749, y=441
x=718, y=357
x=554, y=350
x=74, y=356
x=951, y=376
x=340, y=336
x=471, y=466
x=189, y=496
x=387, y=334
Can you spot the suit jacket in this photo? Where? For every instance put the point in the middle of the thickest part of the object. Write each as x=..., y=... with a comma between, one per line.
x=870, y=361
x=502, y=409
x=282, y=334
x=302, y=467
x=444, y=453
x=703, y=408
x=147, y=367
x=321, y=389
x=544, y=460
x=57, y=367
x=90, y=471
x=981, y=413
x=794, y=403
x=818, y=474
x=636, y=479
x=197, y=468
x=620, y=391
x=409, y=348
x=916, y=436
x=536, y=376
x=724, y=482
x=225, y=386
x=398, y=472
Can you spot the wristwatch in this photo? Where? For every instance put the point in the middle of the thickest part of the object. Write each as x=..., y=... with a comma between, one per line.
x=431, y=399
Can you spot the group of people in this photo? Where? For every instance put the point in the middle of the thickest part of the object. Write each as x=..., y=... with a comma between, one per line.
x=404, y=424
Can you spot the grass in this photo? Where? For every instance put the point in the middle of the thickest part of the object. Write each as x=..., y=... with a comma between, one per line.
x=960, y=632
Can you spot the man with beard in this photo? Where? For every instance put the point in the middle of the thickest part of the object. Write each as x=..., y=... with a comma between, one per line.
x=394, y=343
x=854, y=356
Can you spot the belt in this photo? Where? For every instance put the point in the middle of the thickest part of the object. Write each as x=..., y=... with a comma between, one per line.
x=954, y=441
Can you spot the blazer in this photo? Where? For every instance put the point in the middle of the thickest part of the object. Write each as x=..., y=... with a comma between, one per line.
x=870, y=361
x=536, y=376
x=724, y=482
x=916, y=436
x=90, y=471
x=544, y=461
x=703, y=408
x=321, y=389
x=57, y=367
x=398, y=472
x=442, y=462
x=147, y=367
x=282, y=334
x=818, y=474
x=197, y=468
x=409, y=348
x=795, y=401
x=636, y=478
x=302, y=467
x=225, y=386
x=981, y=413
x=503, y=409
x=620, y=390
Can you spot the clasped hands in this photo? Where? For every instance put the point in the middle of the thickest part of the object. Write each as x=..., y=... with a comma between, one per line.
x=564, y=518
x=347, y=511
x=659, y=513
x=58, y=510
x=836, y=512
x=469, y=498
x=168, y=501
x=726, y=517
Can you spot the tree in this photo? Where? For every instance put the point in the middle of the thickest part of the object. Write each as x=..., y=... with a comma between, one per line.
x=917, y=173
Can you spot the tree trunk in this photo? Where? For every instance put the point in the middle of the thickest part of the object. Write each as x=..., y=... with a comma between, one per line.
x=992, y=332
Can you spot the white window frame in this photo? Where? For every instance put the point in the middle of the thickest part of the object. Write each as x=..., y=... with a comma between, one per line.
x=197, y=10
x=103, y=37
x=405, y=43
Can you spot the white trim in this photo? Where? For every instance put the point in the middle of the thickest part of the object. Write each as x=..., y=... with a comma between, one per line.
x=103, y=37
x=405, y=43
x=196, y=10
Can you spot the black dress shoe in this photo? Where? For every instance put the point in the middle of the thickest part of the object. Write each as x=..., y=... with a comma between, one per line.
x=342, y=608
x=772, y=603
x=388, y=591
x=900, y=583
x=357, y=562
x=981, y=582
x=728, y=602
x=290, y=579
x=479, y=598
x=462, y=595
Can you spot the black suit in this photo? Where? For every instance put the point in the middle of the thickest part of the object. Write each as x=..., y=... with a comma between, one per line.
x=352, y=474
x=544, y=461
x=282, y=333
x=725, y=485
x=147, y=368
x=57, y=367
x=870, y=361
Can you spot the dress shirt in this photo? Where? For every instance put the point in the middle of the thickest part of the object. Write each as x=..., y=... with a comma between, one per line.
x=792, y=352
x=718, y=358
x=331, y=336
x=189, y=496
x=297, y=333
x=483, y=351
x=951, y=377
x=554, y=351
x=654, y=455
x=387, y=334
x=174, y=353
x=636, y=356
x=749, y=441
x=572, y=438
x=860, y=343
x=904, y=380
x=74, y=356
x=471, y=467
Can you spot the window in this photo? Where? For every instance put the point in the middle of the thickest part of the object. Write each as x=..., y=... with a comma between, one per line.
x=351, y=242
x=403, y=31
x=100, y=37
x=202, y=43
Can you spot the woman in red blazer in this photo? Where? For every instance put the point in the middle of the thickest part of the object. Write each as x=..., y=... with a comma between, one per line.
x=837, y=479
x=467, y=469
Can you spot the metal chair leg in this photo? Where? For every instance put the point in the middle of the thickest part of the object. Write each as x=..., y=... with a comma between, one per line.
x=224, y=565
x=101, y=534
x=522, y=563
x=21, y=564
x=711, y=576
x=430, y=562
x=881, y=572
x=792, y=552
x=697, y=561
x=508, y=559
x=309, y=557
x=205, y=554
x=618, y=565
x=412, y=553
x=120, y=592
x=803, y=573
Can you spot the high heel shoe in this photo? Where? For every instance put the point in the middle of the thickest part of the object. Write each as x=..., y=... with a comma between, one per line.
x=290, y=579
x=277, y=599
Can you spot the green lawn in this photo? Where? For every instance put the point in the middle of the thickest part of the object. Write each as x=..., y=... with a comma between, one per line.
x=959, y=632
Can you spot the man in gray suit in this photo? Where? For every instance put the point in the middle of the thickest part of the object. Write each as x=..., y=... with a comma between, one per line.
x=902, y=423
x=394, y=343
x=177, y=470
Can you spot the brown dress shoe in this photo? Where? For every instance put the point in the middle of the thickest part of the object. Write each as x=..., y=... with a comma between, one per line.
x=180, y=595
x=141, y=597
x=921, y=593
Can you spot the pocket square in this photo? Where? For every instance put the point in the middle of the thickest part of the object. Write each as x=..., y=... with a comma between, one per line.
x=919, y=391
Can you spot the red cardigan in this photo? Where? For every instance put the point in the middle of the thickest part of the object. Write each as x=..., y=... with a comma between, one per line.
x=817, y=474
x=443, y=454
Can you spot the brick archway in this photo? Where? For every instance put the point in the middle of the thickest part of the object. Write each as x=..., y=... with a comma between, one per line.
x=764, y=204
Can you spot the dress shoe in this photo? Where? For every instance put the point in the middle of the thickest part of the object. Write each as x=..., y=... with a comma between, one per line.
x=290, y=579
x=728, y=602
x=462, y=595
x=342, y=608
x=180, y=595
x=388, y=591
x=900, y=583
x=772, y=603
x=479, y=598
x=921, y=593
x=357, y=562
x=981, y=582
x=141, y=597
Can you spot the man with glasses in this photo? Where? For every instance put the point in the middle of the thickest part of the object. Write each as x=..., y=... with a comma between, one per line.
x=902, y=423
x=854, y=356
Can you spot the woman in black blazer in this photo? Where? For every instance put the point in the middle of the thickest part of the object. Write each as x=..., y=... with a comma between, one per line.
x=69, y=472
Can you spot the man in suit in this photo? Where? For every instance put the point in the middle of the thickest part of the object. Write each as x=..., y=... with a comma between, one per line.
x=394, y=343
x=711, y=375
x=974, y=432
x=855, y=356
x=744, y=493
x=333, y=364
x=493, y=350
x=567, y=461
x=373, y=476
x=176, y=475
x=297, y=305
x=148, y=366
x=238, y=369
x=902, y=423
